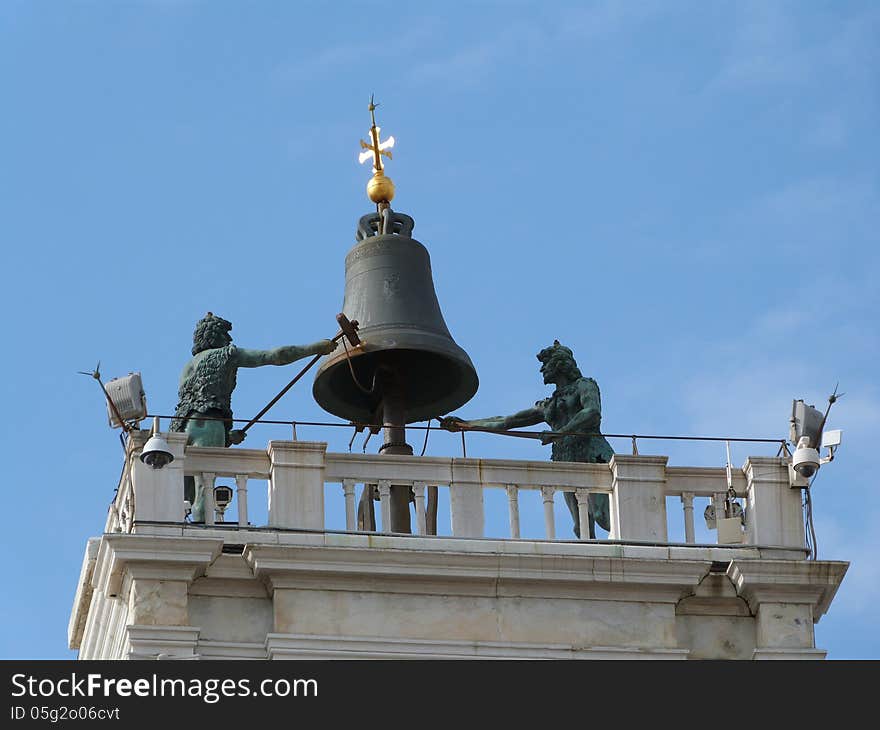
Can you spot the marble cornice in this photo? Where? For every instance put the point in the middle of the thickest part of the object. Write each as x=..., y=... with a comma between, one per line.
x=788, y=581
x=150, y=556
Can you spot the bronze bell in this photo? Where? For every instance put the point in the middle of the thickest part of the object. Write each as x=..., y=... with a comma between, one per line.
x=407, y=354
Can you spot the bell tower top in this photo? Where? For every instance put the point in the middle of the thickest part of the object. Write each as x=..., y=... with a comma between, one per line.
x=380, y=189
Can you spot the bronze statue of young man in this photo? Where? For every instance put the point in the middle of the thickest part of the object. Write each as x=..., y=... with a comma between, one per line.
x=204, y=410
x=575, y=406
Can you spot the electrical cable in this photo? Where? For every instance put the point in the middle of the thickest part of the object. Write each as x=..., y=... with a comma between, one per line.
x=808, y=510
x=354, y=377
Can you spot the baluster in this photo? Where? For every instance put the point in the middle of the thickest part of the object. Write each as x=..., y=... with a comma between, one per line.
x=549, y=524
x=583, y=499
x=421, y=516
x=241, y=481
x=350, y=508
x=385, y=502
x=687, y=499
x=208, y=496
x=513, y=509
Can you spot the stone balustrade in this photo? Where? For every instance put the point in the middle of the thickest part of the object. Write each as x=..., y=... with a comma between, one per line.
x=300, y=475
x=301, y=581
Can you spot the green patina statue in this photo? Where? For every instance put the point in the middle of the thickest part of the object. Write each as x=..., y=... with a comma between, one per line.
x=204, y=410
x=574, y=406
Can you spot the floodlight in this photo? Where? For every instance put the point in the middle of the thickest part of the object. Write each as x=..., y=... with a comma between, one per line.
x=125, y=400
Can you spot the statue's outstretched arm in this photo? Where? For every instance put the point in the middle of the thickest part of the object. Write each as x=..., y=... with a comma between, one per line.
x=281, y=355
x=528, y=417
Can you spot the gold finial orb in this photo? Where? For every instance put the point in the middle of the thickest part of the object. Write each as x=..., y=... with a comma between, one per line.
x=380, y=189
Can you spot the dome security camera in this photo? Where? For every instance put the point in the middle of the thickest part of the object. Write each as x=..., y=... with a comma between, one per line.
x=805, y=460
x=157, y=452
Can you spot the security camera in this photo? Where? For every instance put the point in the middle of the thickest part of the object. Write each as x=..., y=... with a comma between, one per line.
x=805, y=460
x=157, y=452
x=222, y=497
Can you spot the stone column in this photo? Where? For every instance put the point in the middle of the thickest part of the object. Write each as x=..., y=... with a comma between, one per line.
x=774, y=515
x=638, y=498
x=296, y=484
x=158, y=493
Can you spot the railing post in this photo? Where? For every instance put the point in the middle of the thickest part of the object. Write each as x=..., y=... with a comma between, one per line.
x=296, y=484
x=583, y=500
x=513, y=509
x=158, y=493
x=421, y=517
x=241, y=481
x=466, y=498
x=350, y=508
x=549, y=521
x=774, y=515
x=385, y=503
x=638, y=498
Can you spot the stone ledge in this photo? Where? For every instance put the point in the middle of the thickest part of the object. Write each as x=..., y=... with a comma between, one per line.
x=304, y=646
x=160, y=642
x=788, y=654
x=214, y=649
x=474, y=574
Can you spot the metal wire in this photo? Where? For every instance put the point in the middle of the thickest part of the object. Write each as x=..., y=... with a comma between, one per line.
x=508, y=432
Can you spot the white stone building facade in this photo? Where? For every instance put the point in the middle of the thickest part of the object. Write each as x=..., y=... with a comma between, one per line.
x=155, y=586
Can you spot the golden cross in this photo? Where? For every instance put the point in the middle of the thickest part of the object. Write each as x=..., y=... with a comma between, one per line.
x=377, y=149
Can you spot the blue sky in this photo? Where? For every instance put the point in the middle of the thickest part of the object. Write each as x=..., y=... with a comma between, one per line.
x=684, y=193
